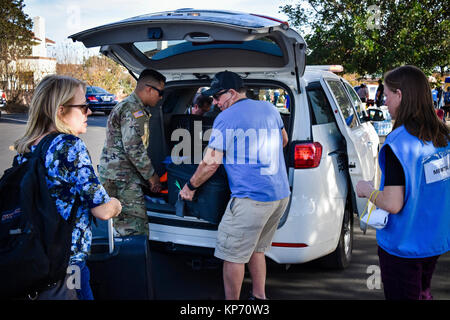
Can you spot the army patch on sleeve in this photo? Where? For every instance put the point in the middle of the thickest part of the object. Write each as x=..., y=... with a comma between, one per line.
x=138, y=114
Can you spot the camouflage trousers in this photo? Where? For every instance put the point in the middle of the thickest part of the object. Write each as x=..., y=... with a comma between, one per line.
x=133, y=219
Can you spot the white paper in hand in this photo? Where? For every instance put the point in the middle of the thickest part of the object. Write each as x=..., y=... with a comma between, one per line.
x=377, y=219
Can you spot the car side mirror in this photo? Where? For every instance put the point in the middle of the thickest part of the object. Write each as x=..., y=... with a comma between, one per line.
x=364, y=117
x=376, y=115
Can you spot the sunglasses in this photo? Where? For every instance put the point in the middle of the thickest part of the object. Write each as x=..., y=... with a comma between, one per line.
x=84, y=107
x=218, y=94
x=160, y=92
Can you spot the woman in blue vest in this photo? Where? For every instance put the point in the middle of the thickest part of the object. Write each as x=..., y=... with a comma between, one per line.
x=415, y=167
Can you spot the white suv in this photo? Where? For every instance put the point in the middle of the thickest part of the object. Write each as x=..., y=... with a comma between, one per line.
x=329, y=148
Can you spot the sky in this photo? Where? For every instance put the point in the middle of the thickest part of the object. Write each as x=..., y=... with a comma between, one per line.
x=64, y=18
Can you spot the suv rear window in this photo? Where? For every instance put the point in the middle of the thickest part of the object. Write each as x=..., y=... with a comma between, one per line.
x=354, y=97
x=159, y=50
x=320, y=105
x=343, y=102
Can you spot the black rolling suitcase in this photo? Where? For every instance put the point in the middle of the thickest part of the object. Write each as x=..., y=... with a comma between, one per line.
x=211, y=198
x=120, y=267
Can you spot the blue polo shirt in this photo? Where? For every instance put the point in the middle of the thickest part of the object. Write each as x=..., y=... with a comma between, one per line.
x=249, y=134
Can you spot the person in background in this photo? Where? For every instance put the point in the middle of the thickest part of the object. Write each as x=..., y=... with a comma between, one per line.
x=259, y=191
x=59, y=105
x=447, y=103
x=276, y=96
x=363, y=93
x=414, y=174
x=439, y=96
x=201, y=105
x=379, y=95
x=125, y=167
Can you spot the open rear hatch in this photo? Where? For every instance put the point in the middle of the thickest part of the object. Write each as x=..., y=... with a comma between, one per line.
x=199, y=41
x=196, y=44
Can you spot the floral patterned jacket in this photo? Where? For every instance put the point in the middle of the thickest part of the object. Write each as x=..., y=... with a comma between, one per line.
x=70, y=173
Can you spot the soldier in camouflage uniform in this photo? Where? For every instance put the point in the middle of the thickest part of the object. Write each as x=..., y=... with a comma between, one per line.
x=125, y=166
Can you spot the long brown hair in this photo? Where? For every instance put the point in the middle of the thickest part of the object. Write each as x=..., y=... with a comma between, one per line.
x=416, y=111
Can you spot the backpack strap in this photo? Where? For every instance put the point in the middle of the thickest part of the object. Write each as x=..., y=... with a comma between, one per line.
x=41, y=152
x=44, y=144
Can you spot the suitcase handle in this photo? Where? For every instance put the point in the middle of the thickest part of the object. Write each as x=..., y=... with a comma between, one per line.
x=106, y=246
x=111, y=236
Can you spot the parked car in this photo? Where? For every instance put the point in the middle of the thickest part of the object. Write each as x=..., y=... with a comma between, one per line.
x=329, y=148
x=100, y=100
x=2, y=100
x=380, y=119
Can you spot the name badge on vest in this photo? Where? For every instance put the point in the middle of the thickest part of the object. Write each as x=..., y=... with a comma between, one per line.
x=437, y=170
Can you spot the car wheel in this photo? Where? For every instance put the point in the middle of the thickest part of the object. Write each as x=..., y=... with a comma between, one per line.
x=341, y=257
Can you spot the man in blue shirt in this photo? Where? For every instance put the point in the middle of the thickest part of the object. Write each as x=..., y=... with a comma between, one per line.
x=248, y=138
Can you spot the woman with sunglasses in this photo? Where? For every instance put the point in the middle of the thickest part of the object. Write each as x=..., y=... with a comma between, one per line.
x=59, y=106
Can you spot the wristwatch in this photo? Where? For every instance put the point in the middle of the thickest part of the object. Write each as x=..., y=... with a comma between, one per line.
x=190, y=186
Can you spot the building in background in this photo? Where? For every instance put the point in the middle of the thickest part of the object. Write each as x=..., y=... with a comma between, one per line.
x=33, y=68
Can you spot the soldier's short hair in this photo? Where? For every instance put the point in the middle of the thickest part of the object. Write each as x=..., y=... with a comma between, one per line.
x=150, y=74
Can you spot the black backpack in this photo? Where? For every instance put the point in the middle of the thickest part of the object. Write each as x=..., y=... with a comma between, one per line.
x=35, y=241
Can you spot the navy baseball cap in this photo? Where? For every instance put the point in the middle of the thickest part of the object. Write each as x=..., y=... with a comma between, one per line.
x=224, y=80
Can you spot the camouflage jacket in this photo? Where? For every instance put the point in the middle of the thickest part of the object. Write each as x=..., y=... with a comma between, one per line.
x=124, y=155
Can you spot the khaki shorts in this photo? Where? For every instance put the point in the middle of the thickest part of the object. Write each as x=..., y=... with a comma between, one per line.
x=247, y=226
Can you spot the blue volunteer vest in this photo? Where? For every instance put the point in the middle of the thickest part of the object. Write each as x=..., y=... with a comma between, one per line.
x=422, y=228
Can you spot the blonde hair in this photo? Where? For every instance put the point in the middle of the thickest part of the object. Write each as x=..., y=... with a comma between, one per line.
x=53, y=91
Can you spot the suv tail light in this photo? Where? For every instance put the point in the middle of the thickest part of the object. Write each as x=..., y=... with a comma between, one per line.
x=92, y=98
x=307, y=155
x=289, y=245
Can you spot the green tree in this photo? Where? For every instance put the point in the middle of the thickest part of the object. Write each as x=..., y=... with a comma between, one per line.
x=100, y=71
x=16, y=39
x=103, y=72
x=370, y=37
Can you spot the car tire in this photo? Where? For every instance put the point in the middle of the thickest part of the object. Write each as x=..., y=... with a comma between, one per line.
x=341, y=257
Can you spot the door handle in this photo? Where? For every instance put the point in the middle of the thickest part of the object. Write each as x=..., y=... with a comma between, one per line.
x=336, y=152
x=198, y=37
